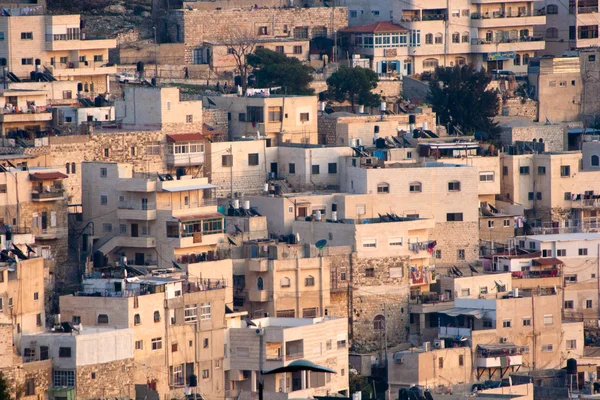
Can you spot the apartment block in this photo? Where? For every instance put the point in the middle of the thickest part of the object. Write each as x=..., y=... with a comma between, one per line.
x=55, y=44
x=81, y=359
x=24, y=113
x=150, y=218
x=277, y=118
x=178, y=326
x=278, y=342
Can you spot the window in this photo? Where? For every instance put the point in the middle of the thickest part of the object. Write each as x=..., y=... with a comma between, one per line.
x=464, y=38
x=486, y=177
x=353, y=14
x=26, y=61
x=309, y=281
x=76, y=319
x=437, y=254
x=30, y=387
x=454, y=217
x=504, y=170
x=565, y=170
x=190, y=313
x=104, y=171
x=255, y=114
x=524, y=170
x=561, y=252
x=453, y=186
x=189, y=118
x=552, y=33
x=567, y=196
x=310, y=313
x=526, y=321
x=279, y=49
x=379, y=323
x=583, y=252
x=106, y=227
x=369, y=243
x=63, y=378
x=341, y=344
x=439, y=39
x=595, y=161
x=262, y=30
x=64, y=352
x=292, y=168
x=490, y=224
x=156, y=316
x=304, y=117
x=383, y=188
x=297, y=49
x=38, y=319
x=227, y=160
x=430, y=63
x=174, y=347
x=102, y=319
x=284, y=282
x=541, y=170
x=26, y=35
x=456, y=37
x=137, y=320
x=274, y=114
x=205, y=374
x=569, y=304
x=506, y=323
x=415, y=187
x=315, y=170
x=429, y=38
x=552, y=83
x=548, y=319
x=99, y=58
x=460, y=254
x=332, y=168
x=588, y=304
x=488, y=323
x=253, y=159
x=571, y=344
x=547, y=348
x=552, y=9
x=441, y=362
x=395, y=241
x=205, y=343
x=370, y=272
x=205, y=311
x=592, y=58
x=156, y=343
x=3, y=188
x=538, y=195
x=530, y=196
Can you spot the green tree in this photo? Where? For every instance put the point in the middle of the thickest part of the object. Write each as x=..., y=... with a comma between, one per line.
x=460, y=98
x=4, y=389
x=276, y=69
x=355, y=85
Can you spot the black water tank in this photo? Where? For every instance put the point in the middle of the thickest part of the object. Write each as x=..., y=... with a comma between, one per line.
x=571, y=366
x=80, y=87
x=193, y=381
x=334, y=207
x=153, y=81
x=412, y=119
x=38, y=61
x=139, y=67
x=98, y=259
x=380, y=143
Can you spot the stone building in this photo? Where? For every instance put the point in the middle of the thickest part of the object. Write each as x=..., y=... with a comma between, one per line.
x=553, y=134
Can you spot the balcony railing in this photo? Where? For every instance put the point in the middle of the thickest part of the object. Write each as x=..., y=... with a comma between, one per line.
x=500, y=14
x=192, y=258
x=572, y=316
x=274, y=357
x=204, y=284
x=51, y=194
x=587, y=10
x=476, y=41
x=429, y=298
x=294, y=356
x=549, y=273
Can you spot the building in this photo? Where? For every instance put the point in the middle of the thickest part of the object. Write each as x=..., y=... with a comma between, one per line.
x=279, y=341
x=277, y=118
x=553, y=135
x=151, y=219
x=81, y=359
x=178, y=326
x=24, y=113
x=60, y=46
x=556, y=78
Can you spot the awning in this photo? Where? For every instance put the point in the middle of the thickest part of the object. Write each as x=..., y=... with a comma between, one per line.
x=455, y=312
x=547, y=261
x=195, y=186
x=198, y=217
x=47, y=176
x=185, y=137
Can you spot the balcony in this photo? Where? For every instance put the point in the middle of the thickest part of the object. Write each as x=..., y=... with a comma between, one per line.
x=258, y=264
x=572, y=316
x=588, y=204
x=50, y=233
x=448, y=331
x=53, y=194
x=136, y=185
x=69, y=45
x=136, y=214
x=526, y=43
x=424, y=5
x=260, y=296
x=41, y=116
x=294, y=356
x=429, y=298
x=503, y=20
x=498, y=362
x=67, y=71
x=184, y=160
x=199, y=240
x=547, y=273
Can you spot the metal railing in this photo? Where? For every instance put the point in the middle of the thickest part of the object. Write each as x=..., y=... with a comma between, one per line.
x=476, y=41
x=294, y=356
x=549, y=273
x=572, y=316
x=500, y=14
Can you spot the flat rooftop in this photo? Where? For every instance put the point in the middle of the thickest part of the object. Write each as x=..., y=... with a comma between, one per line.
x=288, y=322
x=87, y=330
x=564, y=237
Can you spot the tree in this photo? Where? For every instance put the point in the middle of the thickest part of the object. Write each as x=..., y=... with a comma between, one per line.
x=354, y=85
x=4, y=389
x=276, y=69
x=240, y=43
x=460, y=98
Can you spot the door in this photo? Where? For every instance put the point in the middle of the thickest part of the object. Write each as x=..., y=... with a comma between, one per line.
x=139, y=258
x=302, y=211
x=44, y=220
x=274, y=169
x=134, y=230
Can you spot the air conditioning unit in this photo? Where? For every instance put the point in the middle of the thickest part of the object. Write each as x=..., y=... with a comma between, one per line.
x=398, y=358
x=439, y=344
x=503, y=340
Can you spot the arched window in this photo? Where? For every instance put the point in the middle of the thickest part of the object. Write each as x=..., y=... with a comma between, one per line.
x=379, y=322
x=439, y=38
x=260, y=283
x=551, y=33
x=454, y=186
x=156, y=316
x=309, y=281
x=137, y=319
x=465, y=37
x=595, y=161
x=284, y=282
x=102, y=319
x=430, y=64
x=429, y=38
x=456, y=37
x=489, y=36
x=524, y=33
x=552, y=9
x=68, y=168
x=415, y=187
x=383, y=188
x=517, y=60
x=73, y=168
x=525, y=59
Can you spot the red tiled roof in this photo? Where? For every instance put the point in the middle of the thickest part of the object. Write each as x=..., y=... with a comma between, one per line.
x=547, y=261
x=46, y=176
x=200, y=216
x=377, y=27
x=184, y=137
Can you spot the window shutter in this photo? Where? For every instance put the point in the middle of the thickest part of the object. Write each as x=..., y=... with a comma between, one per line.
x=53, y=219
x=34, y=220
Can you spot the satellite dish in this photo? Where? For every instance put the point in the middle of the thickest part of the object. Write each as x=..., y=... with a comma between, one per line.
x=320, y=244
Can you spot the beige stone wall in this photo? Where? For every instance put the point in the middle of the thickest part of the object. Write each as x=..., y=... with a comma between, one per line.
x=112, y=379
x=38, y=371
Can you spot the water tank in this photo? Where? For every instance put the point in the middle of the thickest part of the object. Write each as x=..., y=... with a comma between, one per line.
x=266, y=187
x=380, y=143
x=318, y=215
x=334, y=215
x=193, y=380
x=98, y=259
x=361, y=109
x=322, y=106
x=412, y=118
x=236, y=203
x=425, y=125
x=246, y=204
x=515, y=292
x=571, y=366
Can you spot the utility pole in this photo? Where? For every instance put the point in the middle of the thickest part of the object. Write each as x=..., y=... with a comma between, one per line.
x=385, y=339
x=231, y=172
x=155, y=53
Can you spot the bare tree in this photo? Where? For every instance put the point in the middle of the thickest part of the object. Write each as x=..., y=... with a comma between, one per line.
x=240, y=42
